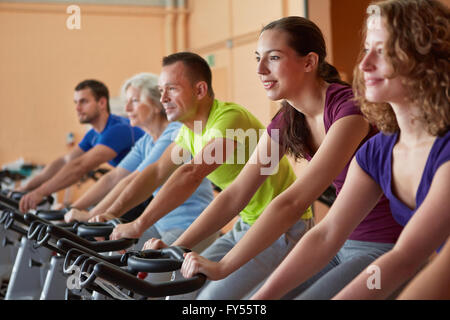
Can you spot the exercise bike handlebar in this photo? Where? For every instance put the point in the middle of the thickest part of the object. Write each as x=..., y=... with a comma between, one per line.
x=98, y=246
x=97, y=229
x=51, y=215
x=59, y=232
x=163, y=260
x=76, y=255
x=127, y=280
x=88, y=231
x=8, y=202
x=14, y=197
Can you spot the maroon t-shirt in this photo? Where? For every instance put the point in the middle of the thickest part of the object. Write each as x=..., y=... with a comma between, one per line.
x=379, y=225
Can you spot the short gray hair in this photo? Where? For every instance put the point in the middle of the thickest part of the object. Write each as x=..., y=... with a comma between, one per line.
x=147, y=83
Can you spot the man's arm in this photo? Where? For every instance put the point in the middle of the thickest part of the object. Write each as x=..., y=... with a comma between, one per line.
x=101, y=188
x=178, y=188
x=109, y=199
x=81, y=214
x=70, y=173
x=50, y=170
x=286, y=209
x=144, y=184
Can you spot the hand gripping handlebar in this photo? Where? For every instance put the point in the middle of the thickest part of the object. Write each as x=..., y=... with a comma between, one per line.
x=99, y=246
x=163, y=260
x=124, y=279
x=52, y=215
x=97, y=229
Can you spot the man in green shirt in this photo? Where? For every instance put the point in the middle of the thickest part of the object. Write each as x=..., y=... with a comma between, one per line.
x=221, y=138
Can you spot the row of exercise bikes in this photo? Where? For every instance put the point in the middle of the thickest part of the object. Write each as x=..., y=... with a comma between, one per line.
x=42, y=257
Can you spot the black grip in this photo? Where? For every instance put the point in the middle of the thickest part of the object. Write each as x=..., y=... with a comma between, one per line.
x=8, y=202
x=153, y=265
x=29, y=218
x=128, y=281
x=51, y=215
x=90, y=231
x=90, y=246
x=16, y=195
x=163, y=260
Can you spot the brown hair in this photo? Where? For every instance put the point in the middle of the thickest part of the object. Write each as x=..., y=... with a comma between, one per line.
x=197, y=67
x=304, y=37
x=418, y=49
x=98, y=89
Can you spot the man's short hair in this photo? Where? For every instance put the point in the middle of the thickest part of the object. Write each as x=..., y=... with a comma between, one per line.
x=98, y=89
x=197, y=68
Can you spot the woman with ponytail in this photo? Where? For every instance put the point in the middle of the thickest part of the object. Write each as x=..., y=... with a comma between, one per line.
x=319, y=122
x=401, y=84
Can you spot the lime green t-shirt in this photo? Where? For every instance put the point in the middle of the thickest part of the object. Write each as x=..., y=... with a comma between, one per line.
x=232, y=121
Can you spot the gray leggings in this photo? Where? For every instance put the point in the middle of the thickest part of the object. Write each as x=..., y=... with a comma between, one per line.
x=350, y=261
x=238, y=284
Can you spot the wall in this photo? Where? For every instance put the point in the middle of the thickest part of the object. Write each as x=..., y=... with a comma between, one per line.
x=341, y=22
x=228, y=30
x=41, y=61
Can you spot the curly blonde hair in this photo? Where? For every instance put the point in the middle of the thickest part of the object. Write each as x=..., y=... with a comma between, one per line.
x=418, y=49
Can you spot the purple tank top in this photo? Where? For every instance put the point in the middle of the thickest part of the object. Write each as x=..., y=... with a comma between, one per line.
x=379, y=225
x=375, y=158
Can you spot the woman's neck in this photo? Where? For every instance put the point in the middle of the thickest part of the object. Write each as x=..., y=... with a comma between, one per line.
x=412, y=130
x=156, y=127
x=311, y=99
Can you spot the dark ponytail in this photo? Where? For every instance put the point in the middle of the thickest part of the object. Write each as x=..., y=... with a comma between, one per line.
x=330, y=74
x=304, y=37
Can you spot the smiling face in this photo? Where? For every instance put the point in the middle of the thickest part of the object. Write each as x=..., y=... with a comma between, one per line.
x=377, y=70
x=280, y=69
x=177, y=93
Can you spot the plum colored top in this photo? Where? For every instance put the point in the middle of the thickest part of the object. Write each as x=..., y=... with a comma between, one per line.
x=378, y=225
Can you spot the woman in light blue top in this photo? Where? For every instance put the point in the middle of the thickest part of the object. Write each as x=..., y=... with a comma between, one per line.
x=144, y=110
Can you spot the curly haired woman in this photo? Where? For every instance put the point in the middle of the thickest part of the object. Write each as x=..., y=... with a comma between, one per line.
x=402, y=84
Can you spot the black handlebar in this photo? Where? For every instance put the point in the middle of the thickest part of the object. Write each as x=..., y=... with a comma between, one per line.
x=87, y=231
x=164, y=260
x=14, y=197
x=144, y=261
x=7, y=202
x=98, y=246
x=97, y=229
x=52, y=215
x=92, y=266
